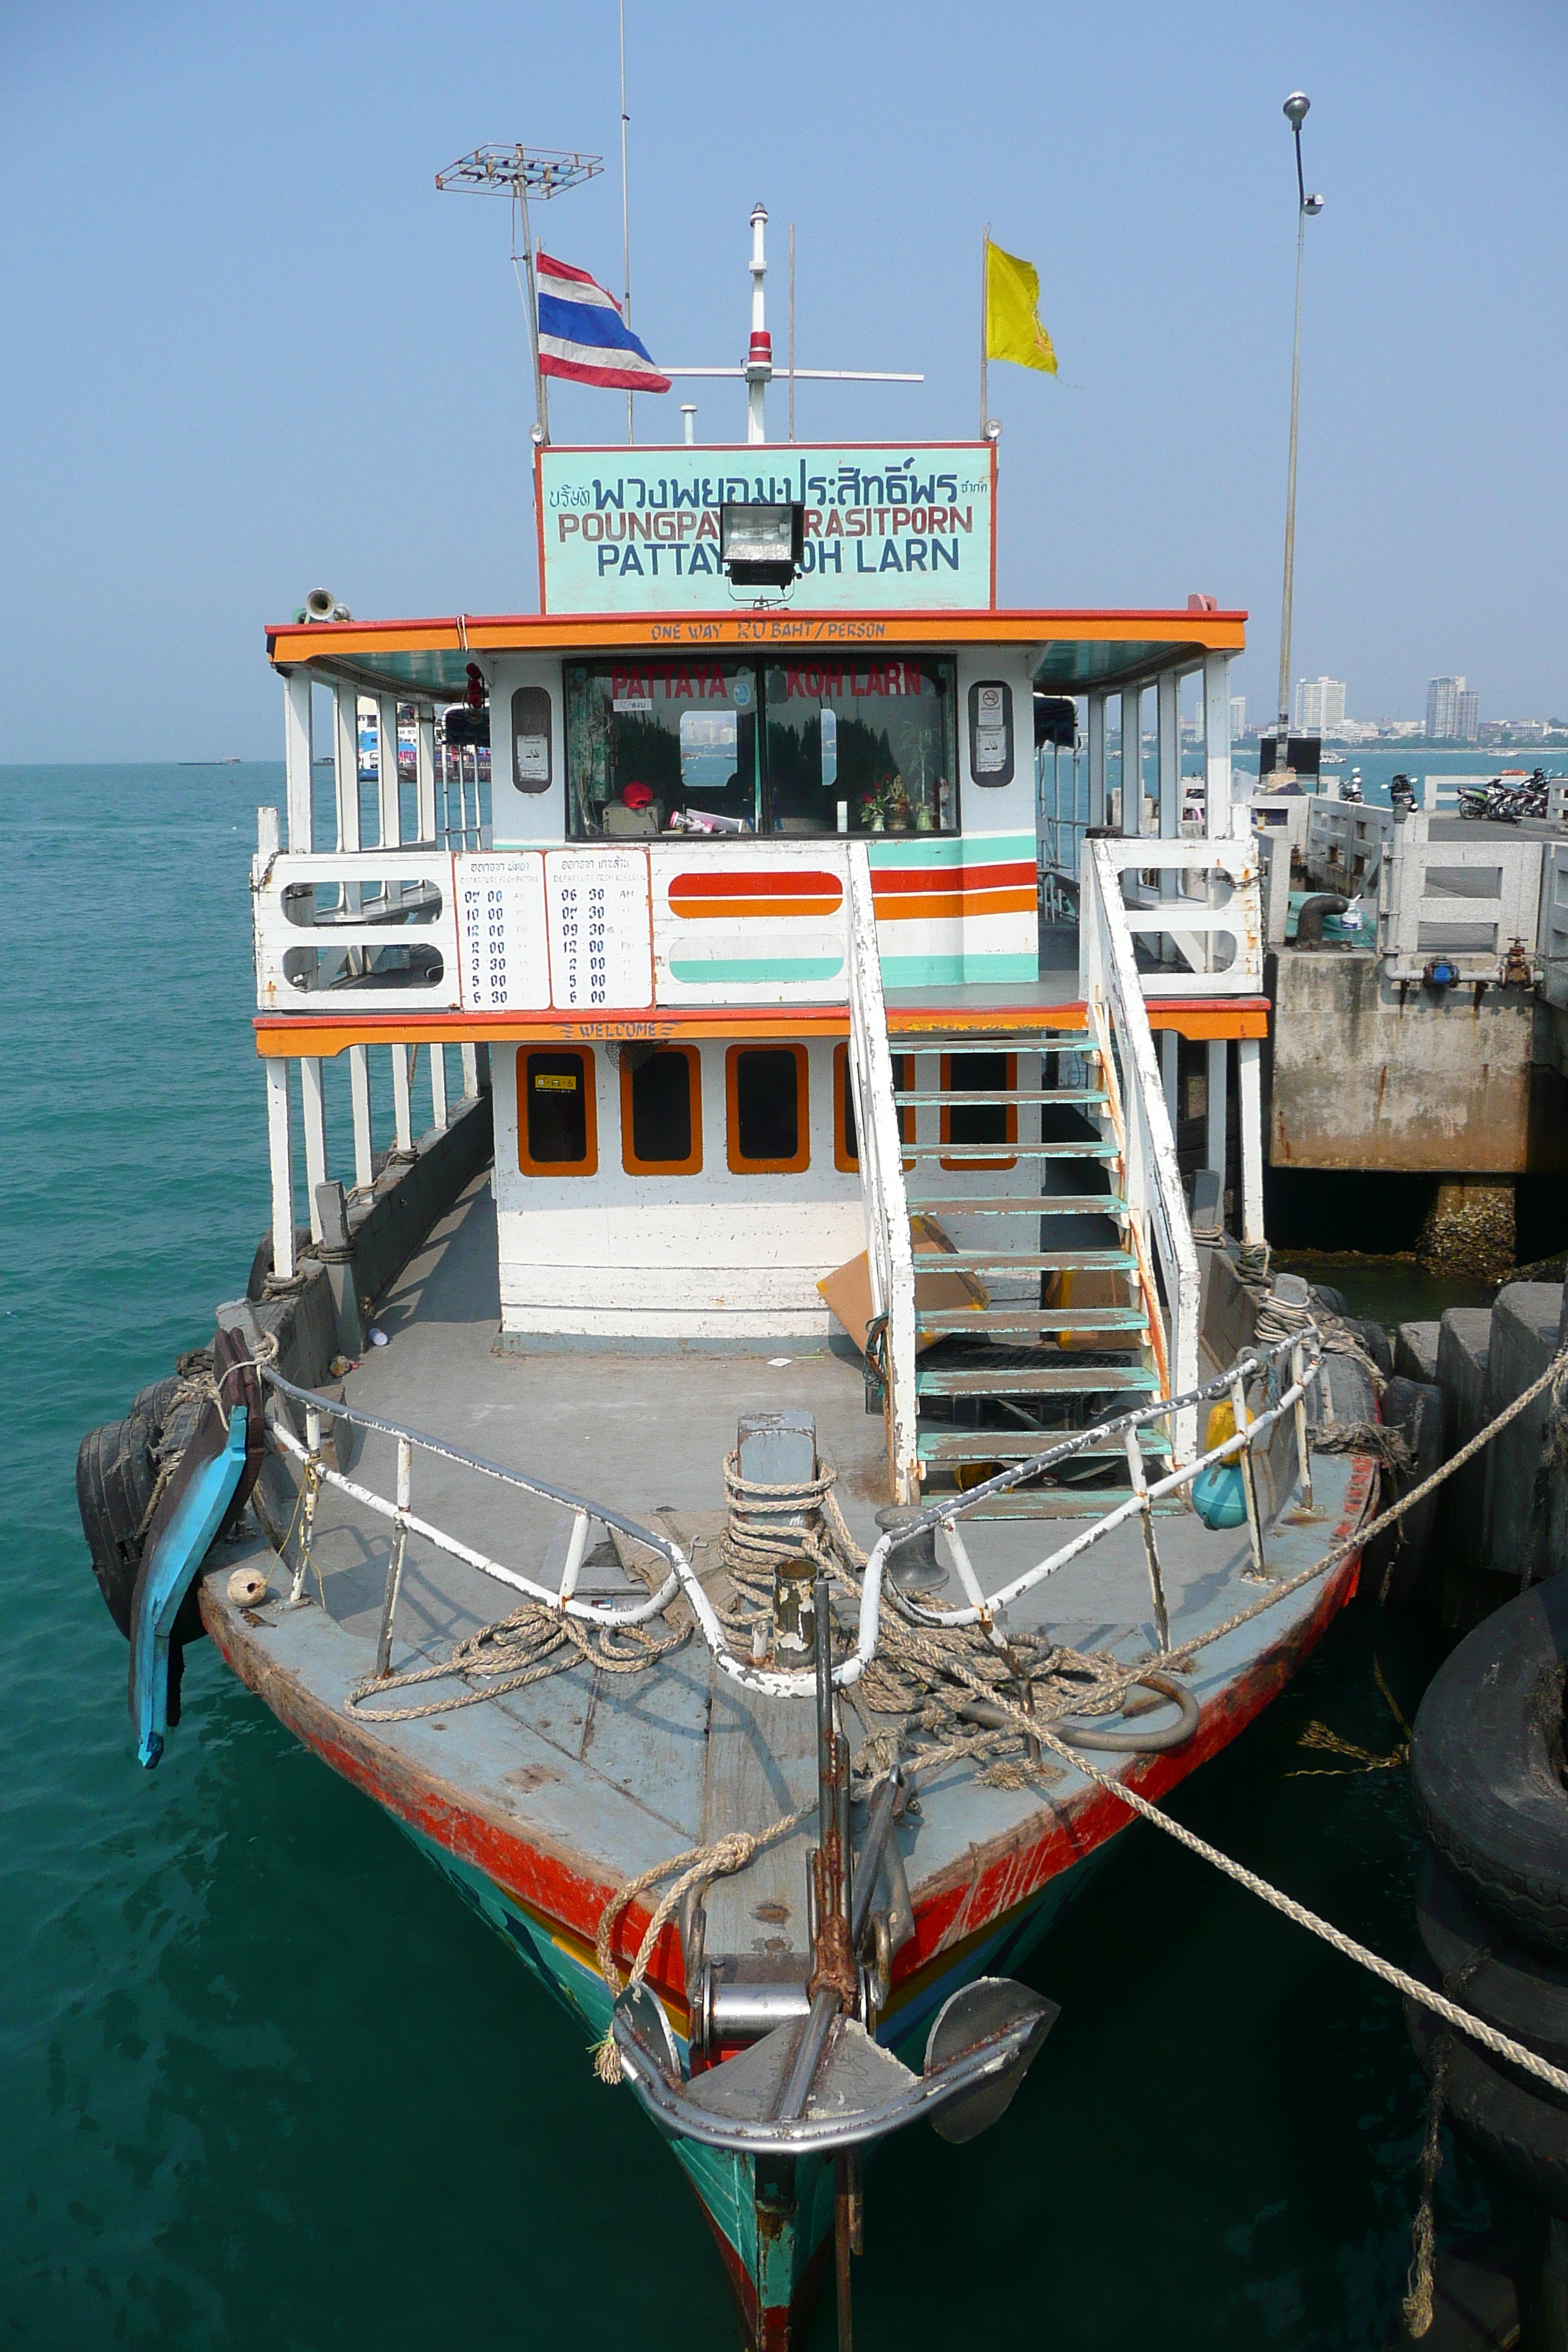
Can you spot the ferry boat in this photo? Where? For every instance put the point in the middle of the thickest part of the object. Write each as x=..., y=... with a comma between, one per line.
x=823, y=1443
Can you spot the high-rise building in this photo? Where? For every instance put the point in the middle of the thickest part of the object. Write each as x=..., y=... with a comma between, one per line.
x=1467, y=725
x=1443, y=708
x=1237, y=717
x=1319, y=704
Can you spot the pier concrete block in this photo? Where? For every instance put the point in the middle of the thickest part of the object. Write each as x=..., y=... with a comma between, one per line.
x=1416, y=1351
x=1525, y=1324
x=1464, y=1343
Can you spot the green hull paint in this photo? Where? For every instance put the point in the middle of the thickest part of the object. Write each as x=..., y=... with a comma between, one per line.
x=748, y=970
x=958, y=970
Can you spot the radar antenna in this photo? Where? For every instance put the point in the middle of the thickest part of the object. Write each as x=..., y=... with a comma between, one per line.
x=520, y=172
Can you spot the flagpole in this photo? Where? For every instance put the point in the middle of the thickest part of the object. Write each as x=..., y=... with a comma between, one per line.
x=985, y=316
x=792, y=330
x=541, y=400
x=626, y=214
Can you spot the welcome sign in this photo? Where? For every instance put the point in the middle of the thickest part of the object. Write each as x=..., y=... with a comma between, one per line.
x=890, y=527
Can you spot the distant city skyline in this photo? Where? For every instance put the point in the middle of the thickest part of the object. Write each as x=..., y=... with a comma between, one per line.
x=1453, y=712
x=1319, y=704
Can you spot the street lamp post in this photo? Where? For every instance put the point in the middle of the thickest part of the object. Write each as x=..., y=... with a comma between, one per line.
x=1295, y=110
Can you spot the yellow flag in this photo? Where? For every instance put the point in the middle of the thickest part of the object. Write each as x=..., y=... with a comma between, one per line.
x=1013, y=329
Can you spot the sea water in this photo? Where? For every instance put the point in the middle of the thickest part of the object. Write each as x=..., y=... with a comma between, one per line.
x=267, y=2085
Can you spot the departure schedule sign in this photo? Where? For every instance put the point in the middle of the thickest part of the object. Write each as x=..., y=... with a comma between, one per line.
x=600, y=937
x=502, y=939
x=892, y=528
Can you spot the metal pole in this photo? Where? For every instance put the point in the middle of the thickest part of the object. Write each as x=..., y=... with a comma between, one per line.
x=626, y=215
x=540, y=398
x=1296, y=107
x=985, y=316
x=792, y=330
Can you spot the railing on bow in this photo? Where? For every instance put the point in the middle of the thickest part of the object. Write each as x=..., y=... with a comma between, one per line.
x=1160, y=1232
x=1287, y=1370
x=890, y=1342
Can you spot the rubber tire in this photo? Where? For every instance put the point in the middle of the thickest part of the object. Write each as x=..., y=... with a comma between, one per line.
x=1486, y=1765
x=1333, y=1300
x=1523, y=2132
x=1414, y=1408
x=1484, y=1968
x=114, y=1481
x=1375, y=1341
x=1343, y=1395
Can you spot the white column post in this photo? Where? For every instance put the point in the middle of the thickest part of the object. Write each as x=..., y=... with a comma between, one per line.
x=471, y=1072
x=298, y=755
x=1097, y=758
x=1250, y=1111
x=1168, y=729
x=437, y=1086
x=402, y=1112
x=313, y=1111
x=359, y=1088
x=1132, y=761
x=1216, y=745
x=425, y=736
x=1170, y=1072
x=345, y=756
x=1219, y=1072
x=386, y=770
x=283, y=1164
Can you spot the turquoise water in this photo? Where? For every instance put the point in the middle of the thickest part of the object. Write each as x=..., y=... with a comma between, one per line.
x=265, y=2082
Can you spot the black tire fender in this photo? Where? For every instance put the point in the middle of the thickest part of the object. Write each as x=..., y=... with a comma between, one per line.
x=1509, y=2117
x=1487, y=1970
x=1486, y=1765
x=115, y=1477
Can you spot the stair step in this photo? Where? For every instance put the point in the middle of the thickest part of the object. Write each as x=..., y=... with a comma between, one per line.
x=927, y=1100
x=1079, y=1322
x=1063, y=1261
x=1055, y=1380
x=993, y=1152
x=1020, y=1446
x=1049, y=1204
x=1056, y=1503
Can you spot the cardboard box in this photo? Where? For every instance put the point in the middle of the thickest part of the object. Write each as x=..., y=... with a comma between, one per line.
x=847, y=1289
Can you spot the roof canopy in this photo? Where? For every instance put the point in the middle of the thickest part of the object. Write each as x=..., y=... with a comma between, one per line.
x=1078, y=653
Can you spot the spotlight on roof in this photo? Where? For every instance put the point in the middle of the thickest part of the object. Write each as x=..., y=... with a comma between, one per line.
x=762, y=546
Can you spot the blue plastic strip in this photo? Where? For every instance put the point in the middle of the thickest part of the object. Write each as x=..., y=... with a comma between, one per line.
x=181, y=1550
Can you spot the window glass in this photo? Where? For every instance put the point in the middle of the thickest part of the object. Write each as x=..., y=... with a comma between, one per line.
x=861, y=745
x=662, y=747
x=555, y=1113
x=766, y=1086
x=660, y=1109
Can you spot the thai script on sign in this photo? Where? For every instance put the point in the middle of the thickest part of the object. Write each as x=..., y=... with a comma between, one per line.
x=881, y=529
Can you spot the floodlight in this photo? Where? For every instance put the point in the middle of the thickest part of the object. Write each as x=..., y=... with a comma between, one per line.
x=762, y=546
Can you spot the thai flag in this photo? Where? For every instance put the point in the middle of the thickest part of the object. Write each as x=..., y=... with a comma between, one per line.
x=582, y=336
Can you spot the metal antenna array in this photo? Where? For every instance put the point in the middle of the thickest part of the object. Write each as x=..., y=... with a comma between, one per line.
x=520, y=172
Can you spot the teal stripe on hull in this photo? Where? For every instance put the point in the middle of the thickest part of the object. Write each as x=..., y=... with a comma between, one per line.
x=958, y=970
x=967, y=849
x=733, y=970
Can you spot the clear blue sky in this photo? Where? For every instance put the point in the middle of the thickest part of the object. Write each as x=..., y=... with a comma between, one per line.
x=249, y=348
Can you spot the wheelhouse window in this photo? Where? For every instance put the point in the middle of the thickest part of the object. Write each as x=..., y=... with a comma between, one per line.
x=661, y=1110
x=557, y=1131
x=769, y=1124
x=662, y=747
x=835, y=744
x=859, y=745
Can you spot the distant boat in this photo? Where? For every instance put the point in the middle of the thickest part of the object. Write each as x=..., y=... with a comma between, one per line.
x=1331, y=760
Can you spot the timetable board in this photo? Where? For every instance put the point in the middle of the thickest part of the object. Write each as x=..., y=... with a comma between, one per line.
x=500, y=933
x=601, y=943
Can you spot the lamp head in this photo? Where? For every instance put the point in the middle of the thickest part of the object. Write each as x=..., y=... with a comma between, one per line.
x=1313, y=206
x=1296, y=109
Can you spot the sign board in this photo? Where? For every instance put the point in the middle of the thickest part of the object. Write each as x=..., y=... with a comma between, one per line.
x=501, y=932
x=601, y=943
x=888, y=528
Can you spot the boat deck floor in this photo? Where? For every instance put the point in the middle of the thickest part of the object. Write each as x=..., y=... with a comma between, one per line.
x=614, y=1772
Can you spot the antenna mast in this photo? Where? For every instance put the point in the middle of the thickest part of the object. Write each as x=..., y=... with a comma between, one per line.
x=519, y=172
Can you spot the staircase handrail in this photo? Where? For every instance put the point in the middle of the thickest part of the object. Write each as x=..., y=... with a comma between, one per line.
x=1157, y=1206
x=888, y=1249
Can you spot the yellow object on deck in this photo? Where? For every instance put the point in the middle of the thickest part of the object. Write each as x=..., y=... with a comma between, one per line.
x=1221, y=1425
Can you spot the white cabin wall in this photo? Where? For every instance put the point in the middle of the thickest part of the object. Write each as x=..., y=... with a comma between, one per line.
x=520, y=820
x=999, y=808
x=710, y=1256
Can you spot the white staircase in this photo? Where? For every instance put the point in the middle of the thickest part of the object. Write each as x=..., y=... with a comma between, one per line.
x=1038, y=1167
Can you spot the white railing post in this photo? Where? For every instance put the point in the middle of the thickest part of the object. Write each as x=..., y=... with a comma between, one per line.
x=888, y=1249
x=1096, y=759
x=1219, y=1052
x=437, y=1086
x=1168, y=735
x=359, y=1091
x=345, y=762
x=298, y=757
x=1217, y=746
x=402, y=1105
x=1132, y=761
x=471, y=1073
x=282, y=1157
x=312, y=1109
x=425, y=771
x=387, y=789
x=1249, y=1115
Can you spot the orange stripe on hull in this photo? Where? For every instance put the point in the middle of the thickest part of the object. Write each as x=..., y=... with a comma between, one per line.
x=973, y=902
